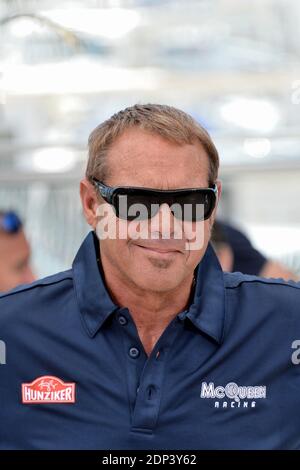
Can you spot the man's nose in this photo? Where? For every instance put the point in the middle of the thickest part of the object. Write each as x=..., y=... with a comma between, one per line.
x=164, y=222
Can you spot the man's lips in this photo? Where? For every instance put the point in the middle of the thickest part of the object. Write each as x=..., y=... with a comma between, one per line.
x=160, y=250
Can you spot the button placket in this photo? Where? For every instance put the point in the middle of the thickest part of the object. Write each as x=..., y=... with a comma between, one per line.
x=145, y=374
x=147, y=405
x=135, y=356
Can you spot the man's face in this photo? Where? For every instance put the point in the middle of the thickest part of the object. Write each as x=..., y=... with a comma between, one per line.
x=14, y=261
x=141, y=159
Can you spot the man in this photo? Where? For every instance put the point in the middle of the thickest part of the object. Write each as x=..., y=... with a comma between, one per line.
x=15, y=266
x=145, y=343
x=236, y=253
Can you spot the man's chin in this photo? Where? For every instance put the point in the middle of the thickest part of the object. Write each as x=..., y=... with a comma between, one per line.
x=159, y=283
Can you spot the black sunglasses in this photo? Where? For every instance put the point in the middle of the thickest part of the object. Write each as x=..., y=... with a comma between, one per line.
x=10, y=222
x=134, y=203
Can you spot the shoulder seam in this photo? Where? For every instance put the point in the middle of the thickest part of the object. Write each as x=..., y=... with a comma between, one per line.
x=264, y=281
x=40, y=283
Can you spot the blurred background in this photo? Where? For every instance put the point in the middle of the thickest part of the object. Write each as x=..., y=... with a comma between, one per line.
x=67, y=65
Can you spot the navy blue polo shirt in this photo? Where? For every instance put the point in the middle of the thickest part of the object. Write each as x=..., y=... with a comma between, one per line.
x=223, y=375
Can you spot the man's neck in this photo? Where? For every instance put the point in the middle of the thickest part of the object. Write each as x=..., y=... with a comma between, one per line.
x=151, y=311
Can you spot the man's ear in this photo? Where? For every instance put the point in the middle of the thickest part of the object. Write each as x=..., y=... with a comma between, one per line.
x=89, y=201
x=213, y=217
x=219, y=186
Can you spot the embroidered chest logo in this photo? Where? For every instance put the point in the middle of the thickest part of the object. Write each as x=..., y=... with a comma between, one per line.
x=48, y=389
x=233, y=395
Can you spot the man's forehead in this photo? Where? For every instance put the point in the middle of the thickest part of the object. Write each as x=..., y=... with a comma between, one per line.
x=138, y=157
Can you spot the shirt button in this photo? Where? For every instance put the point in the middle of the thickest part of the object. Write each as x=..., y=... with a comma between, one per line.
x=151, y=390
x=123, y=320
x=134, y=353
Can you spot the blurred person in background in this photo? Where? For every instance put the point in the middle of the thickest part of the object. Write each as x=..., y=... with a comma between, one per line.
x=15, y=266
x=237, y=254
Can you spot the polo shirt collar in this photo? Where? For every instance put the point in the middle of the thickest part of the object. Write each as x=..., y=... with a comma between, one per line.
x=206, y=312
x=95, y=303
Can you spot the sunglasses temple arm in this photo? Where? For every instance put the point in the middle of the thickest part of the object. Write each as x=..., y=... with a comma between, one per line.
x=104, y=191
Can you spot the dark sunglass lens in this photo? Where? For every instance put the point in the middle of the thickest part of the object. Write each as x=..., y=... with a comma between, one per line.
x=136, y=206
x=193, y=206
x=209, y=205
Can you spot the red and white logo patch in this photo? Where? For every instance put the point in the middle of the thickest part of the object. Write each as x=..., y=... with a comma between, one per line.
x=48, y=389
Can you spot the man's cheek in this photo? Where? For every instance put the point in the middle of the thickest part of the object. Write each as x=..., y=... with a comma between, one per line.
x=123, y=232
x=138, y=230
x=109, y=226
x=105, y=226
x=195, y=235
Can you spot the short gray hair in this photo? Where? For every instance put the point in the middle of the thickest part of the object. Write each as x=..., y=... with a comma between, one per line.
x=166, y=121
